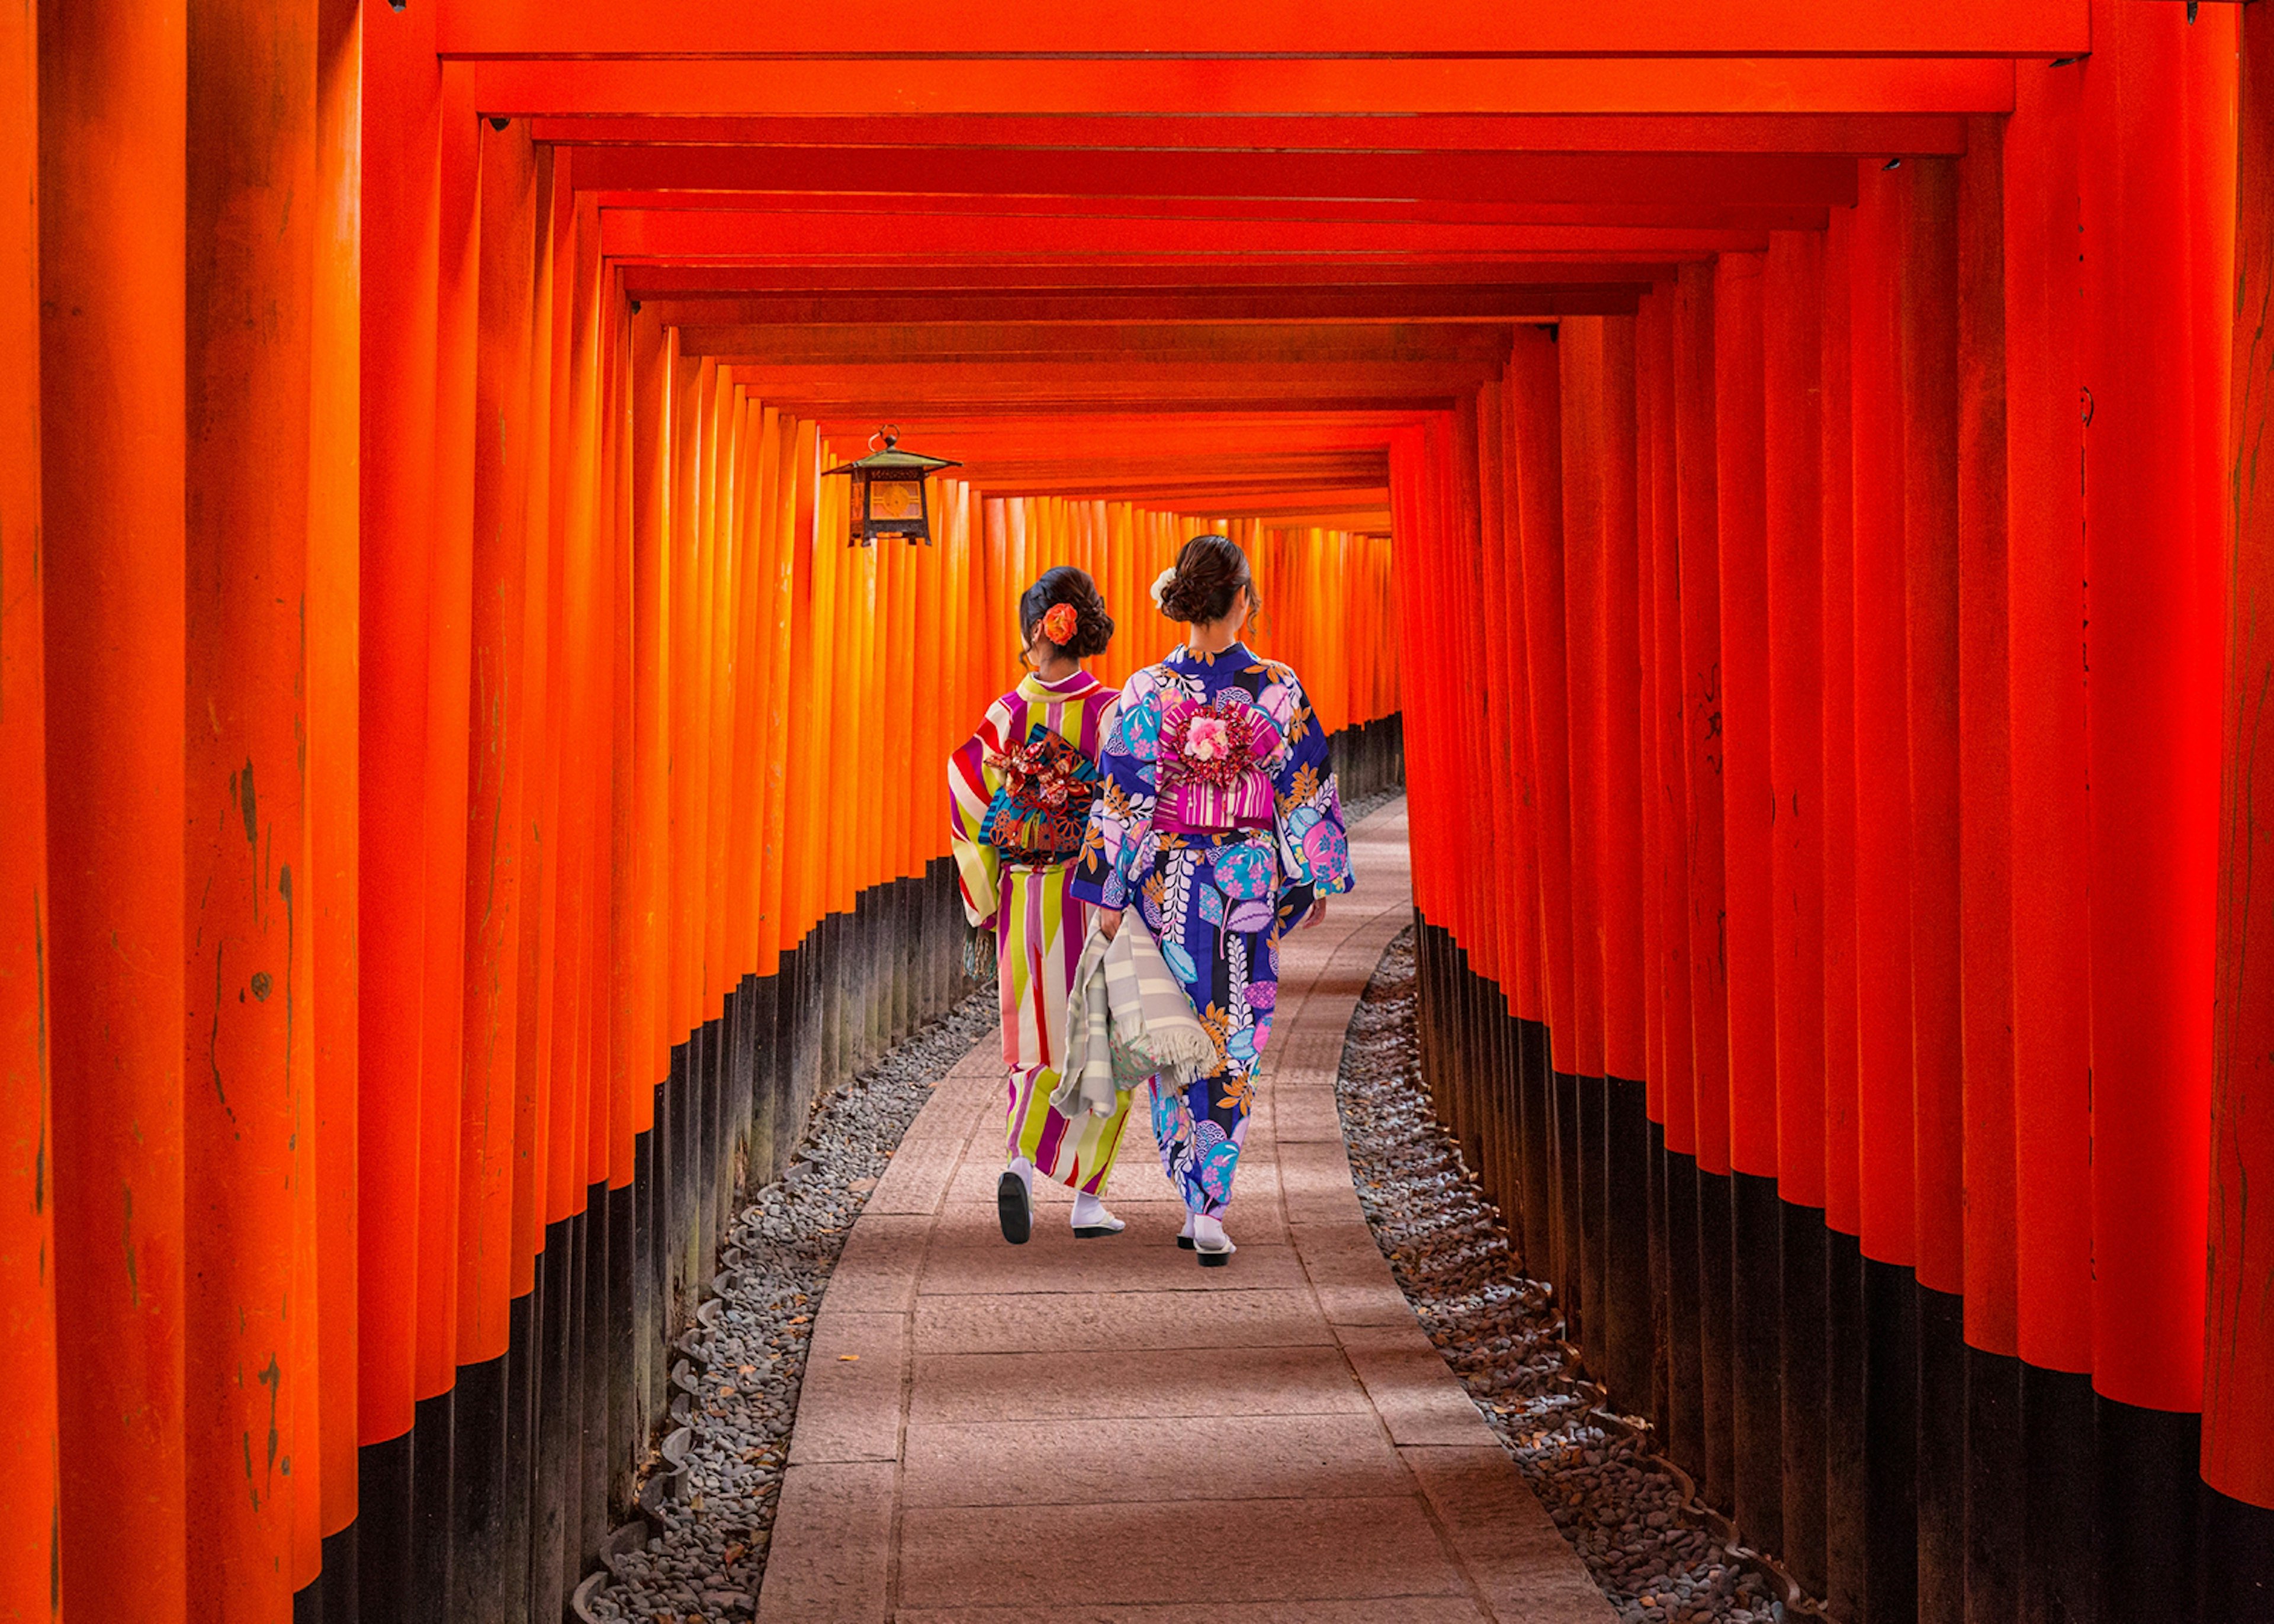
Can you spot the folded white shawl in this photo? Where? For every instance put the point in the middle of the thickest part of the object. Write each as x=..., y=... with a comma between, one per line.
x=1128, y=1020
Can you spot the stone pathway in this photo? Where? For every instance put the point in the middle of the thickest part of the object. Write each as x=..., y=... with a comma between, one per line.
x=1101, y=1430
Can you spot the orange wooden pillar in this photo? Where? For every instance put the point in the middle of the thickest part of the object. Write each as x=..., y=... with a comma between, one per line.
x=490, y=906
x=30, y=1551
x=2051, y=834
x=1579, y=357
x=2238, y=1450
x=1835, y=751
x=447, y=767
x=1749, y=812
x=1887, y=1144
x=1793, y=516
x=1927, y=332
x=499, y=719
x=1674, y=1064
x=532, y=899
x=1992, y=1444
x=2157, y=185
x=1628, y=1335
x=1624, y=1047
x=794, y=499
x=1707, y=1185
x=1502, y=695
x=113, y=126
x=1845, y=1362
x=1536, y=414
x=333, y=497
x=402, y=92
x=250, y=1191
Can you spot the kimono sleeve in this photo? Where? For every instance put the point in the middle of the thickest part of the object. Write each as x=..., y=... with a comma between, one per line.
x=971, y=784
x=1118, y=839
x=1313, y=847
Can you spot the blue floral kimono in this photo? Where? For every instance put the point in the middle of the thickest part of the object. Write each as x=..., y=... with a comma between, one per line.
x=1219, y=822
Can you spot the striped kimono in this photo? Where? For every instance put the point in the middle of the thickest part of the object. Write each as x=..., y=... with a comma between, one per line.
x=1039, y=928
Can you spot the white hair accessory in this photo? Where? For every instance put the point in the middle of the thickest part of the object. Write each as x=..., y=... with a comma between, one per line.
x=1161, y=584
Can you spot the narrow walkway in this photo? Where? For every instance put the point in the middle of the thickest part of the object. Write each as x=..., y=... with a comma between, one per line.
x=1102, y=1430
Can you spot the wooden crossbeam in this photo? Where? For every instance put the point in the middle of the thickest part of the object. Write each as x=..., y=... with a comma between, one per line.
x=955, y=28
x=1653, y=86
x=1850, y=134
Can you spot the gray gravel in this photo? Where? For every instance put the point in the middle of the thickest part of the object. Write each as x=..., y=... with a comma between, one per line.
x=1500, y=1332
x=739, y=1373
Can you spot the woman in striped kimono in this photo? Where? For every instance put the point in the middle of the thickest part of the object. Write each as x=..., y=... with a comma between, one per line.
x=1219, y=822
x=1018, y=792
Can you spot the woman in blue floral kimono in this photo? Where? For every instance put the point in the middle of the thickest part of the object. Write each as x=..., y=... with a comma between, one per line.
x=1219, y=819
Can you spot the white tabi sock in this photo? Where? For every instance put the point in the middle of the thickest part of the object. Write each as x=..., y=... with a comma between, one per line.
x=1024, y=1170
x=1089, y=1213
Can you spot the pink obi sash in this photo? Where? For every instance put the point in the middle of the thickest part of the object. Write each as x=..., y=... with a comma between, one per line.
x=1210, y=766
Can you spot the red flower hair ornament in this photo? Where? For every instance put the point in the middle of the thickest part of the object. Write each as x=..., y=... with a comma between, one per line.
x=1060, y=623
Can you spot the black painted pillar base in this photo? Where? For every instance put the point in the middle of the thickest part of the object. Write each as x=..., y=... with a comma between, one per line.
x=478, y=1492
x=1685, y=1333
x=1627, y=1266
x=342, y=1578
x=1537, y=1151
x=1845, y=1460
x=383, y=1531
x=550, y=1493
x=1756, y=1319
x=308, y=1602
x=432, y=1471
x=1570, y=1246
x=1890, y=1444
x=1716, y=1265
x=1995, y=1476
x=521, y=1356
x=2150, y=1489
x=1941, y=1457
x=1592, y=1170
x=1662, y=1307
x=2060, y=1520
x=1803, y=1351
x=2236, y=1560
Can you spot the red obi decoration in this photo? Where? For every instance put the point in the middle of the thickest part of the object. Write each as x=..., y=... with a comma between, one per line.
x=1211, y=766
x=1042, y=810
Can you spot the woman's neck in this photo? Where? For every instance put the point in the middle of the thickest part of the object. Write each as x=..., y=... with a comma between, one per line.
x=1058, y=668
x=1213, y=638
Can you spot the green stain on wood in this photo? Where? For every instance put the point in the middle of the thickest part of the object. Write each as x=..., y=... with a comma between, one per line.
x=213, y=1037
x=272, y=1379
x=134, y=1275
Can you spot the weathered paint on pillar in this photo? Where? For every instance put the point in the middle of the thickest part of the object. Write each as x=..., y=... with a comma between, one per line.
x=113, y=123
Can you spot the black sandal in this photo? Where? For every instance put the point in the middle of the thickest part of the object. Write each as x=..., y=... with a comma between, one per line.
x=1015, y=1206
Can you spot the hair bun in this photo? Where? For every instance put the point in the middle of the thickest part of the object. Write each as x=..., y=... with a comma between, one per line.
x=1065, y=605
x=1211, y=571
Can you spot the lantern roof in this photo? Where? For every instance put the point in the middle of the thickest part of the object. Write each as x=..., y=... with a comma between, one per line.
x=892, y=461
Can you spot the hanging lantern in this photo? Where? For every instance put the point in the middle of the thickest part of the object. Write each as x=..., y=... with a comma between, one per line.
x=889, y=494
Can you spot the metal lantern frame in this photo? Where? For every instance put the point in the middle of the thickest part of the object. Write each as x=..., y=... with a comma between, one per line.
x=896, y=471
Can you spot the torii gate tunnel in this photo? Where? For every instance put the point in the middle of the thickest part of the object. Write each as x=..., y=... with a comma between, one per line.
x=1784, y=478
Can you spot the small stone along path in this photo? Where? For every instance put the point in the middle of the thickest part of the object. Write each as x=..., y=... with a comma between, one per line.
x=1103, y=1431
